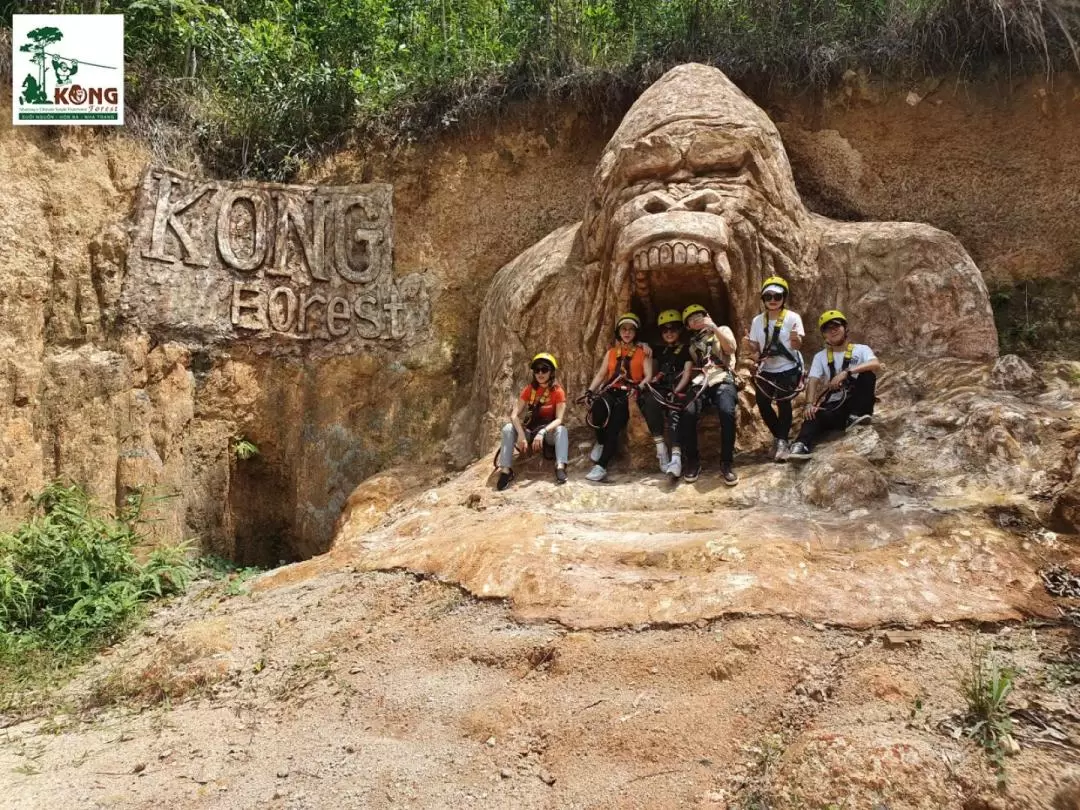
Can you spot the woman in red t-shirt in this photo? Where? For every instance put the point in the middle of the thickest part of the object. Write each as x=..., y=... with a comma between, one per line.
x=625, y=366
x=536, y=420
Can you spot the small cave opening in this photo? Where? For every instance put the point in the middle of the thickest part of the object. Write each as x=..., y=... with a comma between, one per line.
x=677, y=288
x=260, y=509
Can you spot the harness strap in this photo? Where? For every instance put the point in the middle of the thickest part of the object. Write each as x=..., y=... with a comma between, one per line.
x=536, y=402
x=624, y=355
x=843, y=366
x=773, y=345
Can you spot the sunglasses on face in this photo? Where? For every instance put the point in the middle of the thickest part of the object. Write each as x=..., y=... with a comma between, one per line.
x=772, y=297
x=669, y=329
x=542, y=369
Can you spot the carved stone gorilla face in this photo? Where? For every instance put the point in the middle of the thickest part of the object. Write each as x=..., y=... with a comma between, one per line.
x=694, y=200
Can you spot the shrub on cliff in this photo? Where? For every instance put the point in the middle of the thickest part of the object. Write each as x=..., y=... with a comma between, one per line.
x=69, y=578
x=260, y=85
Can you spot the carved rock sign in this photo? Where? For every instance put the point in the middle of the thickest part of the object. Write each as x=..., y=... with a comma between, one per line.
x=214, y=261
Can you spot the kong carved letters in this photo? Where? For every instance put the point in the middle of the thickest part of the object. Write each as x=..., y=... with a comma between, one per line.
x=216, y=261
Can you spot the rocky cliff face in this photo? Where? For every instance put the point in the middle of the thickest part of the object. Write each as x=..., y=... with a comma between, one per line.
x=92, y=390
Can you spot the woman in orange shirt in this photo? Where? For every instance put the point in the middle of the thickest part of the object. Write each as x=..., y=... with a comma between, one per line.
x=625, y=366
x=544, y=403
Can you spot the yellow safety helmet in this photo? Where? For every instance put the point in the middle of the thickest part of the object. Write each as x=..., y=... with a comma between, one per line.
x=669, y=316
x=776, y=281
x=544, y=356
x=628, y=317
x=831, y=315
x=690, y=310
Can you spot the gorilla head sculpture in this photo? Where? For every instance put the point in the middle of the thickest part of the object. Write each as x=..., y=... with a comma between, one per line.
x=693, y=201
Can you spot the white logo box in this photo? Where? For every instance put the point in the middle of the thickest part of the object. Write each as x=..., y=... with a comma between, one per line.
x=67, y=69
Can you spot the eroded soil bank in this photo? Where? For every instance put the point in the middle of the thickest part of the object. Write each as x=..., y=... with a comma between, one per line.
x=992, y=161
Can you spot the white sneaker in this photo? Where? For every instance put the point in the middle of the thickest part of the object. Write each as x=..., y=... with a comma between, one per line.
x=596, y=452
x=674, y=467
x=597, y=473
x=799, y=452
x=861, y=419
x=662, y=455
x=782, y=449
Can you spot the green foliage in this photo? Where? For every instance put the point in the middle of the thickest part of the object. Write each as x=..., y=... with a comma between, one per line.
x=69, y=579
x=212, y=566
x=1034, y=318
x=244, y=449
x=262, y=85
x=986, y=686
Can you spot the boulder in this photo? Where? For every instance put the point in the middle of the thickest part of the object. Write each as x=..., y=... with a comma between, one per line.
x=1065, y=516
x=1011, y=373
x=842, y=482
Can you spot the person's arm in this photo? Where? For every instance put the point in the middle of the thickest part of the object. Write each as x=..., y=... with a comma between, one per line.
x=815, y=384
x=813, y=391
x=648, y=371
x=515, y=419
x=725, y=339
x=600, y=376
x=873, y=364
x=538, y=439
x=684, y=378
x=753, y=343
x=797, y=332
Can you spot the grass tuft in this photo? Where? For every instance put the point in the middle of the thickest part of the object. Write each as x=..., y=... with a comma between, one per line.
x=986, y=686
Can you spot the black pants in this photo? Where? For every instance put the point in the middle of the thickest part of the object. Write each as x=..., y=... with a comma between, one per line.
x=860, y=401
x=779, y=420
x=608, y=436
x=723, y=397
x=656, y=415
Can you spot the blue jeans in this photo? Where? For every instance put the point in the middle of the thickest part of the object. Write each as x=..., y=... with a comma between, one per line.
x=558, y=437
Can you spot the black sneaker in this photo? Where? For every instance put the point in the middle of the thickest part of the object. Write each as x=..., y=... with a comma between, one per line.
x=861, y=419
x=690, y=476
x=728, y=475
x=560, y=475
x=799, y=452
x=504, y=480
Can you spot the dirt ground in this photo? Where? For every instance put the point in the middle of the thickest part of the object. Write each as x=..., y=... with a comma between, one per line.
x=388, y=690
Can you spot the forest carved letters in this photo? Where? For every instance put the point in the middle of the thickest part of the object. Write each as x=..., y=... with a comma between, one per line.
x=219, y=260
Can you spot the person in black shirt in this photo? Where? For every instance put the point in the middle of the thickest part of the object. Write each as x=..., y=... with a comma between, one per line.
x=672, y=361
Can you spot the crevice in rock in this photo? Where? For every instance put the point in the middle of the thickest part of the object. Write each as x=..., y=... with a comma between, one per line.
x=260, y=509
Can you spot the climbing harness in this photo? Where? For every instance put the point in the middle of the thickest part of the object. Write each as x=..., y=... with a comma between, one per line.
x=775, y=392
x=535, y=403
x=617, y=384
x=774, y=347
x=824, y=402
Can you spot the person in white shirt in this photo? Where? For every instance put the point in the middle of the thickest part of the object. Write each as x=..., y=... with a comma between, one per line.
x=775, y=339
x=840, y=391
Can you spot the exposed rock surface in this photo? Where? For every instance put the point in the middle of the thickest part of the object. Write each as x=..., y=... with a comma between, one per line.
x=843, y=481
x=1013, y=374
x=898, y=522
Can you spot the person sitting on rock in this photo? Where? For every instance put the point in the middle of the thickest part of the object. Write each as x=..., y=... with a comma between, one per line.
x=840, y=391
x=543, y=402
x=626, y=366
x=673, y=366
x=775, y=338
x=712, y=348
